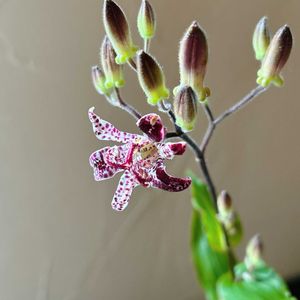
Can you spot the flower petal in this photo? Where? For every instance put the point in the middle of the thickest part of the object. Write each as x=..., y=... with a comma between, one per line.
x=120, y=156
x=168, y=150
x=164, y=181
x=122, y=195
x=102, y=170
x=152, y=125
x=106, y=131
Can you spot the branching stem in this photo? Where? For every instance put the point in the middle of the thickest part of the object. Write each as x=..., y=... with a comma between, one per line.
x=198, y=150
x=239, y=105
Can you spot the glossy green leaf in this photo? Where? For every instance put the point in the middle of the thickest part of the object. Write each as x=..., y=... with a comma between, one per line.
x=261, y=284
x=209, y=264
x=203, y=204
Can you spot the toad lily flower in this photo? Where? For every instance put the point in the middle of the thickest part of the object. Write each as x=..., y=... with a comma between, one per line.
x=141, y=157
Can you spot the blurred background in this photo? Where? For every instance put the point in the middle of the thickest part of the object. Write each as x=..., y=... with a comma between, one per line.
x=59, y=237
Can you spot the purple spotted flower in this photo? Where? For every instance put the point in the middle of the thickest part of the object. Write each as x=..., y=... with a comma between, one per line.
x=140, y=157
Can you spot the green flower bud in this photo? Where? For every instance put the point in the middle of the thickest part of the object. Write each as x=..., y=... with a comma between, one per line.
x=275, y=58
x=98, y=78
x=254, y=252
x=185, y=108
x=261, y=38
x=146, y=20
x=114, y=73
x=117, y=29
x=151, y=78
x=229, y=218
x=193, y=56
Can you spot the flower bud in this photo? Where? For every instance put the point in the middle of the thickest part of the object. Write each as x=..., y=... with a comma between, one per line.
x=185, y=108
x=193, y=56
x=229, y=218
x=261, y=38
x=275, y=58
x=117, y=29
x=151, y=78
x=114, y=73
x=254, y=252
x=98, y=78
x=224, y=202
x=146, y=20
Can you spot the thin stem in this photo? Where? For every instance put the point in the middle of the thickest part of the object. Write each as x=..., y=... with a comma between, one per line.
x=210, y=129
x=127, y=107
x=199, y=155
x=248, y=98
x=203, y=165
x=239, y=105
x=208, y=112
x=147, y=44
x=171, y=135
x=208, y=134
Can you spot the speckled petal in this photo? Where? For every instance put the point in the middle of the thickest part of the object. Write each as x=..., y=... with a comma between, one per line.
x=106, y=131
x=152, y=125
x=120, y=156
x=122, y=195
x=102, y=170
x=168, y=150
x=164, y=181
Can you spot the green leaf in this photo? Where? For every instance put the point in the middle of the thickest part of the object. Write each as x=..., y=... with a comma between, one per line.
x=206, y=231
x=209, y=264
x=261, y=284
x=203, y=204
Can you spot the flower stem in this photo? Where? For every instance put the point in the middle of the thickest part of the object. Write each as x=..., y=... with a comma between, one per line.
x=199, y=151
x=146, y=45
x=199, y=155
x=248, y=98
x=127, y=107
x=239, y=105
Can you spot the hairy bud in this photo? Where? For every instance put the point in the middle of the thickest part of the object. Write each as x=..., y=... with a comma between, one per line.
x=146, y=20
x=185, y=108
x=98, y=78
x=261, y=38
x=254, y=252
x=151, y=78
x=229, y=218
x=117, y=29
x=193, y=56
x=275, y=58
x=114, y=73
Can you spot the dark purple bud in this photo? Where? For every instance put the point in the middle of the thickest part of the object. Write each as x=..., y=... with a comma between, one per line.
x=193, y=57
x=117, y=29
x=151, y=78
x=224, y=203
x=114, y=73
x=276, y=57
x=185, y=108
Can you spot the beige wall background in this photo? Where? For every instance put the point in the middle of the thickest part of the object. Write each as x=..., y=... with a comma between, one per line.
x=59, y=238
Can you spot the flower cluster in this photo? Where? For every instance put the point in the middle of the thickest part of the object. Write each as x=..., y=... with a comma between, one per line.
x=216, y=225
x=141, y=156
